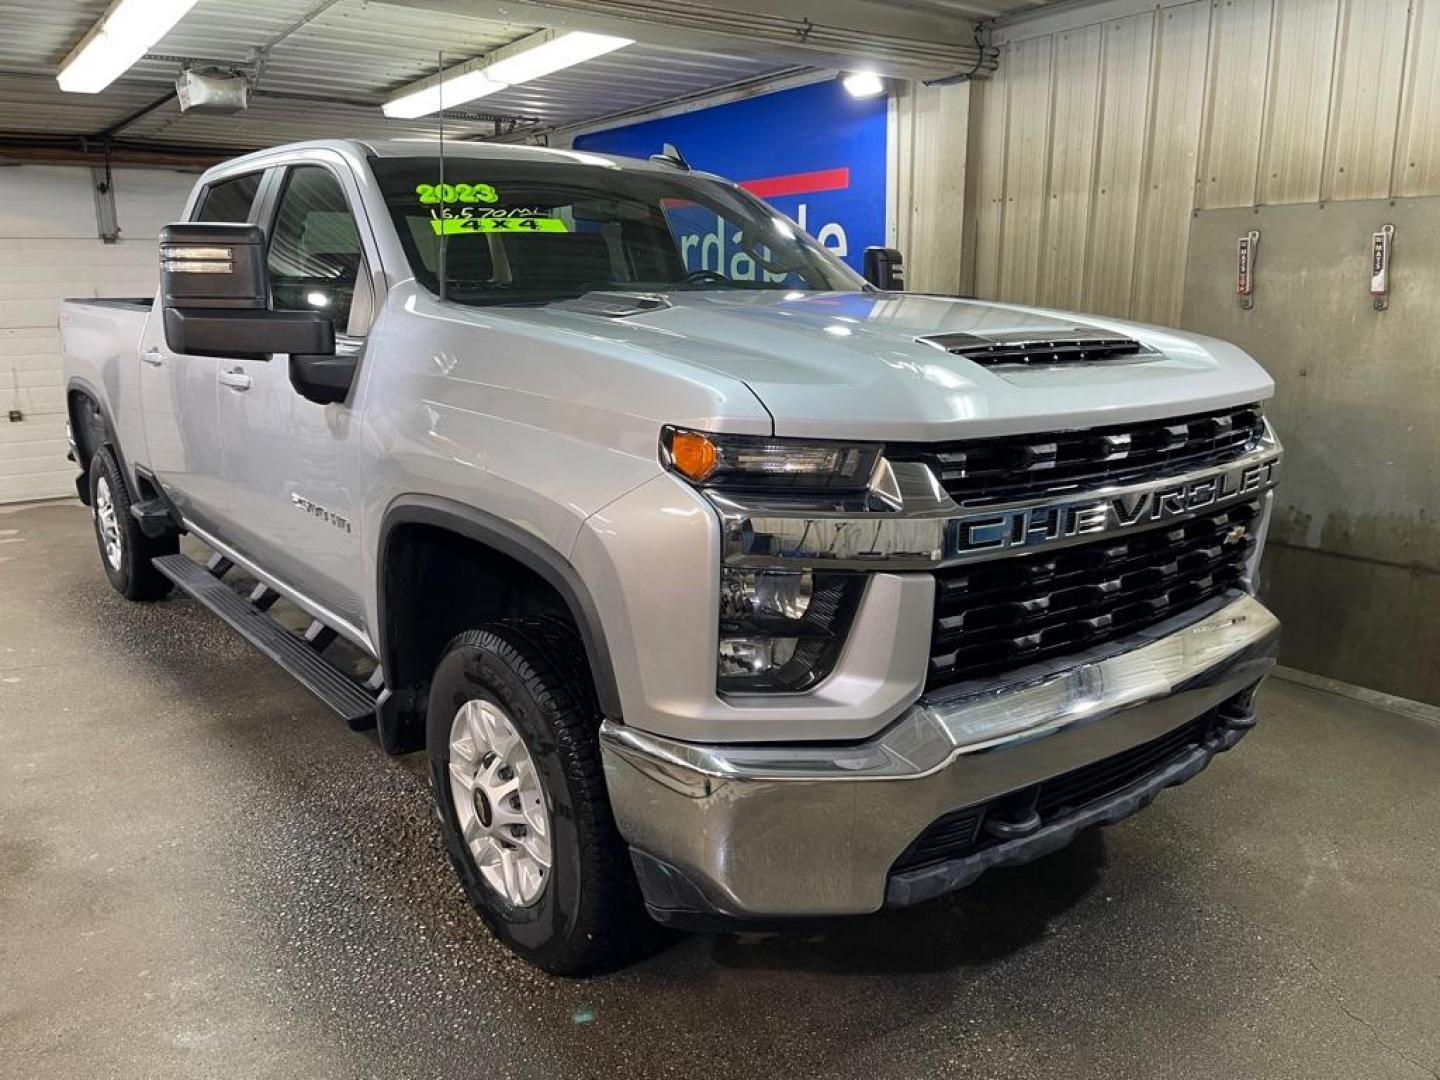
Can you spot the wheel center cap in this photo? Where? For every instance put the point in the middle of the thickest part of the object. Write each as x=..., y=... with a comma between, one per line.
x=482, y=808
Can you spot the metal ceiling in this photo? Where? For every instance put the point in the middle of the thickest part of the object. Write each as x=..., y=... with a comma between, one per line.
x=350, y=49
x=322, y=68
x=972, y=9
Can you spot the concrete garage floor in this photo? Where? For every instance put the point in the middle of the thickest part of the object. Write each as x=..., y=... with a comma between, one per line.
x=204, y=873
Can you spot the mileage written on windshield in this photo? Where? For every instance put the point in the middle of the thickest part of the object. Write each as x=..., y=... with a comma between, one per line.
x=482, y=218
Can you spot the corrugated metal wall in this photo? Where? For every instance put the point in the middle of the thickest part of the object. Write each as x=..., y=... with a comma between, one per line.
x=930, y=125
x=1352, y=563
x=1094, y=143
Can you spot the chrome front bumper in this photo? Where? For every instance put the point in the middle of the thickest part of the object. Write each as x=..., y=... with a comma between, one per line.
x=777, y=831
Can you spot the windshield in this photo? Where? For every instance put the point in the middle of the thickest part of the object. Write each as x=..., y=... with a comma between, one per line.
x=536, y=231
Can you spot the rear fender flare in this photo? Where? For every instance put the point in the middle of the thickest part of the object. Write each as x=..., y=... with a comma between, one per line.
x=78, y=388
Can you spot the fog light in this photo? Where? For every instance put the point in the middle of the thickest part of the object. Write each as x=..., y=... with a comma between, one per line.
x=755, y=656
x=752, y=594
x=782, y=630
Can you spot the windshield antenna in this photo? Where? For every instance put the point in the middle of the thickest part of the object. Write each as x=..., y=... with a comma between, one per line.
x=444, y=236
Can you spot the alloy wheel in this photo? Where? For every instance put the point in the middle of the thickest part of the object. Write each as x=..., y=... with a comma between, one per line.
x=500, y=802
x=110, y=536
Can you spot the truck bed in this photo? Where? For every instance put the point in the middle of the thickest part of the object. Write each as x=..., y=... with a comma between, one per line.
x=128, y=302
x=100, y=348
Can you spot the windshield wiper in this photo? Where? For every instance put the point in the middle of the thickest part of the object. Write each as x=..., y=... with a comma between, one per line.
x=729, y=283
x=501, y=298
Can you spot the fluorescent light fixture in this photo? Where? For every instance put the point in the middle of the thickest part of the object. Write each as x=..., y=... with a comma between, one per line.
x=862, y=84
x=123, y=35
x=564, y=51
x=529, y=58
x=454, y=88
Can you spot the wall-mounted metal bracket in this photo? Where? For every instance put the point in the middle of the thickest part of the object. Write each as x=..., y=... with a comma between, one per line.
x=1245, y=269
x=1380, y=266
x=107, y=220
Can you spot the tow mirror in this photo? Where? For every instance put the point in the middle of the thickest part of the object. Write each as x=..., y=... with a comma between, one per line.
x=213, y=265
x=885, y=268
x=323, y=379
x=216, y=302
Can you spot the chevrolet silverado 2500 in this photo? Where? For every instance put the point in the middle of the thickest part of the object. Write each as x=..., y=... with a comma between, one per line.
x=732, y=590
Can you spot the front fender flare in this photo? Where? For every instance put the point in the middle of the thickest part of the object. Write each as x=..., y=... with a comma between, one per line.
x=515, y=543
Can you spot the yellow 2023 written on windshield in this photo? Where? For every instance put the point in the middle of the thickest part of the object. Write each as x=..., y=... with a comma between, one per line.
x=477, y=214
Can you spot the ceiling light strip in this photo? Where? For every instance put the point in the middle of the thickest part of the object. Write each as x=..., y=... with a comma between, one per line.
x=529, y=58
x=117, y=42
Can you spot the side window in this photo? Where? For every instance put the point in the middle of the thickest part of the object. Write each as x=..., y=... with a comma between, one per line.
x=315, y=253
x=229, y=200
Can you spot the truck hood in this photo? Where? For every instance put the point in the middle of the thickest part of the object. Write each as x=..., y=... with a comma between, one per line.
x=849, y=365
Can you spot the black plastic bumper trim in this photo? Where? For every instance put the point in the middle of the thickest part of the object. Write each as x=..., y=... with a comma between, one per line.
x=928, y=882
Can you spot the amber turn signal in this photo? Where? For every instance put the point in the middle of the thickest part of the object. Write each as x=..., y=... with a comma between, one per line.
x=692, y=455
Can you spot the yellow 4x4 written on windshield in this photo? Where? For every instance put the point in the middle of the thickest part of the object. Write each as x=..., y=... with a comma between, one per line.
x=452, y=226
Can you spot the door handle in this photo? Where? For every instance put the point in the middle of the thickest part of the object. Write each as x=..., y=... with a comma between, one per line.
x=235, y=378
x=153, y=357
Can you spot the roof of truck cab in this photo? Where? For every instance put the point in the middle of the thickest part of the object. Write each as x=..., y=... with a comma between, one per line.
x=471, y=150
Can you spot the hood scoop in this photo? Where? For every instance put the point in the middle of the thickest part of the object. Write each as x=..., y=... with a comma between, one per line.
x=1040, y=349
x=613, y=305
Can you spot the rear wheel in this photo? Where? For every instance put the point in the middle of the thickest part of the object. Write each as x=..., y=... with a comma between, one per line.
x=515, y=765
x=125, y=551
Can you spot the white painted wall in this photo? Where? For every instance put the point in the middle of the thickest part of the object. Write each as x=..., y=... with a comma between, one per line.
x=49, y=250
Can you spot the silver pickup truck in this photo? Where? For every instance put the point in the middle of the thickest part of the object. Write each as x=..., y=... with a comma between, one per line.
x=716, y=581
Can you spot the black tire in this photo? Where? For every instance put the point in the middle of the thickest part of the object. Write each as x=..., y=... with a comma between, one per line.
x=589, y=915
x=133, y=575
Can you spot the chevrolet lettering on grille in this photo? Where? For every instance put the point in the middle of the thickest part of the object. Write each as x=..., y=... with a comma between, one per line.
x=922, y=528
x=1035, y=526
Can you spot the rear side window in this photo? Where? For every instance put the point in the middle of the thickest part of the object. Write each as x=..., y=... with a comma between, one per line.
x=229, y=200
x=315, y=255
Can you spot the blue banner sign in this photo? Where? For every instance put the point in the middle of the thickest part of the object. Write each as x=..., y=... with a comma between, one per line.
x=815, y=153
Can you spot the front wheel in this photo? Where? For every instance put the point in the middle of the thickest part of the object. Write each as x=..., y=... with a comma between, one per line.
x=515, y=765
x=125, y=551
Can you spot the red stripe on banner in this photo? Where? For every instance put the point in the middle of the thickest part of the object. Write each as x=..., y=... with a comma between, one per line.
x=804, y=183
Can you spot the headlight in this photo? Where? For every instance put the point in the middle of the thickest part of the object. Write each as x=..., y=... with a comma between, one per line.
x=782, y=631
x=754, y=462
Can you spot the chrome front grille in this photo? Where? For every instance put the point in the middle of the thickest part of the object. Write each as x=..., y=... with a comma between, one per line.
x=996, y=616
x=979, y=472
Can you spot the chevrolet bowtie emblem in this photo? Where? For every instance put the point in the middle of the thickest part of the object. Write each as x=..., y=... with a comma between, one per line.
x=1235, y=535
